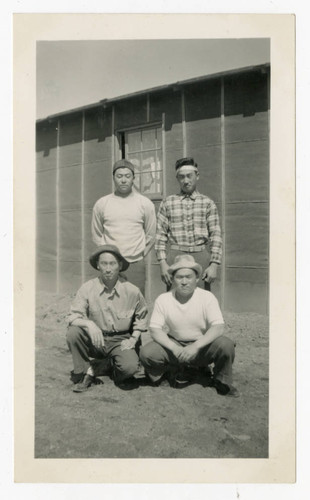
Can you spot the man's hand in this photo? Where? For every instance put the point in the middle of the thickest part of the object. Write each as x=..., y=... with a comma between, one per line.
x=177, y=350
x=188, y=353
x=128, y=343
x=209, y=275
x=165, y=276
x=95, y=334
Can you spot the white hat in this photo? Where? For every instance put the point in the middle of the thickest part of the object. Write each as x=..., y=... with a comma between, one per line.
x=185, y=261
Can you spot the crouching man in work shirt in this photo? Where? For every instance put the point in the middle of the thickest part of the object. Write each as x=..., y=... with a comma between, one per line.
x=187, y=329
x=106, y=319
x=127, y=219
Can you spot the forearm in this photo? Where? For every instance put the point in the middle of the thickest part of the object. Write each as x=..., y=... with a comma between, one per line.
x=213, y=333
x=215, y=236
x=162, y=338
x=149, y=245
x=82, y=322
x=136, y=334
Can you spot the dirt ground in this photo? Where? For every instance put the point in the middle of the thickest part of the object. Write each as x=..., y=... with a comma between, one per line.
x=149, y=422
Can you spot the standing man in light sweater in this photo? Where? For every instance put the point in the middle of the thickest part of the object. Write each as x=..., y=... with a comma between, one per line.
x=126, y=219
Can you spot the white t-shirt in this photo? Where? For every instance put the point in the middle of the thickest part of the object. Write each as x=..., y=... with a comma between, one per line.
x=129, y=223
x=187, y=321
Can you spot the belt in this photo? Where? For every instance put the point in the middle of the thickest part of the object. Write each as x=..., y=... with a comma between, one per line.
x=190, y=249
x=111, y=334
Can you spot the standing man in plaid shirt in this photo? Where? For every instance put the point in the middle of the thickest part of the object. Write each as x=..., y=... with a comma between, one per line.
x=188, y=222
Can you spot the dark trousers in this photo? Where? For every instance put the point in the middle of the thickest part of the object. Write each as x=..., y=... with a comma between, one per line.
x=124, y=363
x=157, y=360
x=135, y=274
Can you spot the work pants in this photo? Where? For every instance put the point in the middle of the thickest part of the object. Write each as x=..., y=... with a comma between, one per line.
x=135, y=274
x=157, y=360
x=124, y=363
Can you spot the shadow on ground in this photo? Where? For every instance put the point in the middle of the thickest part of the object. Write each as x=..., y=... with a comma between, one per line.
x=149, y=422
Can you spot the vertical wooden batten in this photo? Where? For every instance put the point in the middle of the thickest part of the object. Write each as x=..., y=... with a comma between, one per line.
x=147, y=108
x=184, y=140
x=83, y=200
x=57, y=210
x=223, y=195
x=113, y=142
x=163, y=120
x=148, y=260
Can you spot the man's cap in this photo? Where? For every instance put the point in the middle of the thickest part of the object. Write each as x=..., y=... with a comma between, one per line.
x=123, y=164
x=185, y=261
x=185, y=161
x=111, y=249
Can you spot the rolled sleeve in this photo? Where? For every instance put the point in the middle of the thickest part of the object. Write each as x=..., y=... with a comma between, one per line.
x=214, y=313
x=140, y=316
x=158, y=319
x=79, y=307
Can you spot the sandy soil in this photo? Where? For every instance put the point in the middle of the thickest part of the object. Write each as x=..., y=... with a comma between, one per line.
x=149, y=422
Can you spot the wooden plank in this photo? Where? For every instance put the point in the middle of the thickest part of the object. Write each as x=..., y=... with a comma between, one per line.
x=46, y=236
x=246, y=107
x=46, y=190
x=70, y=140
x=70, y=276
x=70, y=236
x=98, y=138
x=83, y=198
x=247, y=234
x=203, y=113
x=184, y=131
x=46, y=145
x=129, y=112
x=70, y=187
x=247, y=171
x=223, y=197
x=97, y=181
x=168, y=102
x=246, y=290
x=46, y=275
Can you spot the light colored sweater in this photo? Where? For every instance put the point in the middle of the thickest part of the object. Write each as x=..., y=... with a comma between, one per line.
x=127, y=222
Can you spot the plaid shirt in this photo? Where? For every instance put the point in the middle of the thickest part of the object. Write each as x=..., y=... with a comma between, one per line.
x=188, y=221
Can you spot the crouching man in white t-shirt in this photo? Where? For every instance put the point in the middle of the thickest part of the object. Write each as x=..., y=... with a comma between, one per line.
x=187, y=330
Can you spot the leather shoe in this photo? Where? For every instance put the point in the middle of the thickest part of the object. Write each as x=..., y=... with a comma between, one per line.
x=226, y=390
x=88, y=381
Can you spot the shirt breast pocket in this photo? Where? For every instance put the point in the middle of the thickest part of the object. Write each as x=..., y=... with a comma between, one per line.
x=95, y=313
x=124, y=319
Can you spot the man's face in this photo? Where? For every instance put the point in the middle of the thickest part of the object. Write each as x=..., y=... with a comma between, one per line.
x=108, y=266
x=185, y=281
x=123, y=181
x=187, y=180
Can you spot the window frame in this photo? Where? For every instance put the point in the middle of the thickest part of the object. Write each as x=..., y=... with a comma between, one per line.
x=123, y=151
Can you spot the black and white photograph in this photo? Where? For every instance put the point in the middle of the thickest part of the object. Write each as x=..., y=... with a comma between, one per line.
x=152, y=248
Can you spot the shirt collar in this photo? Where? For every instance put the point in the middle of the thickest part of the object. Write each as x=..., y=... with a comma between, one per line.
x=192, y=196
x=102, y=287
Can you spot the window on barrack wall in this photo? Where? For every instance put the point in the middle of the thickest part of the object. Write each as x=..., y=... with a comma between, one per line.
x=143, y=147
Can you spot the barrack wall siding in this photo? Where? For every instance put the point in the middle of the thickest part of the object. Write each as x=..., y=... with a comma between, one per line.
x=222, y=122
